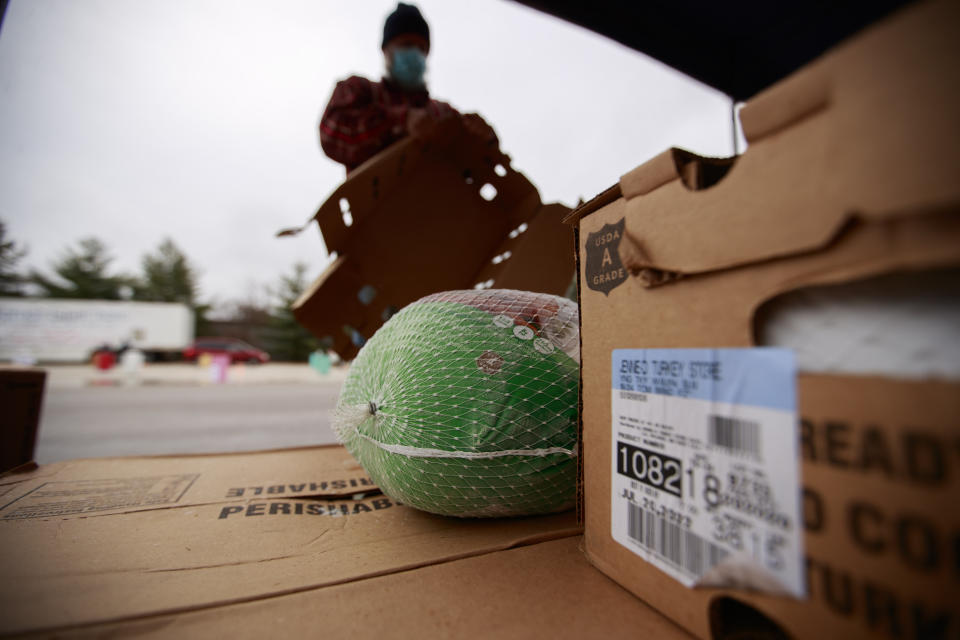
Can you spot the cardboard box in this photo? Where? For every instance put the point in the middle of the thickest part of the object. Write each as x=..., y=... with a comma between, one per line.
x=261, y=543
x=544, y=589
x=852, y=171
x=21, y=398
x=428, y=216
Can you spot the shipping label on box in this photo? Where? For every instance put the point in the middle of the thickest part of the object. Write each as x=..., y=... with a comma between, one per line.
x=57, y=499
x=846, y=179
x=704, y=467
x=77, y=489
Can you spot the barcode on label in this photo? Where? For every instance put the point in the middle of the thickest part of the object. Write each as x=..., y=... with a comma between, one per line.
x=739, y=436
x=685, y=549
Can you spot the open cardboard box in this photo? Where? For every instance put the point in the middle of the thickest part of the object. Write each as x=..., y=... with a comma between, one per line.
x=523, y=592
x=295, y=541
x=853, y=170
x=426, y=216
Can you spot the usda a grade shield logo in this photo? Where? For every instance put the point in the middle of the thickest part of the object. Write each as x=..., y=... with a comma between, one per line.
x=604, y=271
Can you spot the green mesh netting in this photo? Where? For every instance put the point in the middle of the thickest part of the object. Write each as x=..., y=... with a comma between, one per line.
x=465, y=404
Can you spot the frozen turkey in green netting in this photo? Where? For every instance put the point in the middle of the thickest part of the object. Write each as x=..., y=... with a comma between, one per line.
x=465, y=404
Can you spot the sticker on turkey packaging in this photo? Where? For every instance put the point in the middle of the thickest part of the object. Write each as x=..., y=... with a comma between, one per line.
x=704, y=463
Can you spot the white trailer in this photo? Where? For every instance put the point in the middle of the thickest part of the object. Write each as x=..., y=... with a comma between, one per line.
x=54, y=330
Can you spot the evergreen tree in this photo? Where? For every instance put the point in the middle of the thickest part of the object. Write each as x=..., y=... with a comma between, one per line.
x=168, y=276
x=10, y=255
x=289, y=340
x=85, y=274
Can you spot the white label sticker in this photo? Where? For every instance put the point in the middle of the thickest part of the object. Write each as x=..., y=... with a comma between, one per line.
x=523, y=332
x=503, y=321
x=705, y=471
x=543, y=346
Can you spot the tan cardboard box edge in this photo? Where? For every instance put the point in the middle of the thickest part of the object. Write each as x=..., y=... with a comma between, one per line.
x=414, y=220
x=544, y=589
x=855, y=164
x=92, y=541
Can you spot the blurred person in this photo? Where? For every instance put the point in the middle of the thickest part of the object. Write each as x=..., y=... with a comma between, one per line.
x=365, y=117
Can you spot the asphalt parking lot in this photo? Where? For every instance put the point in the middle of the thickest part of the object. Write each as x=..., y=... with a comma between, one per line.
x=177, y=408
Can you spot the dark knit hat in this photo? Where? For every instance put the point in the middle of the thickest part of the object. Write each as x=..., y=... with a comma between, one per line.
x=406, y=18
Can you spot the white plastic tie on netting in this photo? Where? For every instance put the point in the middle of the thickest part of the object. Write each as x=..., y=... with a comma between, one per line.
x=418, y=452
x=348, y=418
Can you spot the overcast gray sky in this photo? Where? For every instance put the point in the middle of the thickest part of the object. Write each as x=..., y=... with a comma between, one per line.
x=132, y=120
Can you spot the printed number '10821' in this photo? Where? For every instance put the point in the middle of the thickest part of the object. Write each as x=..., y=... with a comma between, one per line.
x=651, y=468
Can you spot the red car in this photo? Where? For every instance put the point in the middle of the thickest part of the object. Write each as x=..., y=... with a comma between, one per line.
x=238, y=350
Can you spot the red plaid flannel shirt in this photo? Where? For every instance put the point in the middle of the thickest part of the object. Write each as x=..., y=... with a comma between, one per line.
x=363, y=118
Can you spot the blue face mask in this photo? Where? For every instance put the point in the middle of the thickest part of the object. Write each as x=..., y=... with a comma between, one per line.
x=409, y=65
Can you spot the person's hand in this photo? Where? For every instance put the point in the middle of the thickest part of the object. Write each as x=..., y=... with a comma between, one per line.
x=477, y=126
x=419, y=122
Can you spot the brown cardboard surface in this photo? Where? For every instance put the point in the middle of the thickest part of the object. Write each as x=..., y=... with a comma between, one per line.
x=536, y=591
x=867, y=132
x=536, y=261
x=879, y=532
x=21, y=396
x=78, y=488
x=93, y=541
x=849, y=174
x=418, y=225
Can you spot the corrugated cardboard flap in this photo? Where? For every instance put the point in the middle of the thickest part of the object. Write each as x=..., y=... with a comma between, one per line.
x=93, y=541
x=804, y=179
x=378, y=180
x=602, y=199
x=117, y=486
x=427, y=216
x=475, y=597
